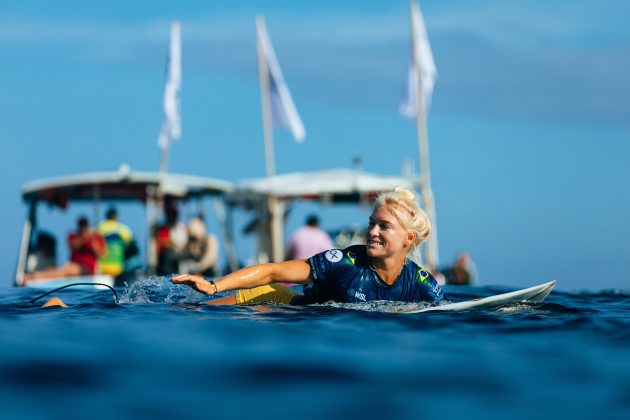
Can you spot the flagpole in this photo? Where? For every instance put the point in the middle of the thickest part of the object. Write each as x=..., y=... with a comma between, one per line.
x=428, y=202
x=275, y=228
x=163, y=168
x=265, y=101
x=171, y=125
x=162, y=173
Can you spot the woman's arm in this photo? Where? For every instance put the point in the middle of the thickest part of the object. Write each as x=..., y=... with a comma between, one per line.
x=296, y=271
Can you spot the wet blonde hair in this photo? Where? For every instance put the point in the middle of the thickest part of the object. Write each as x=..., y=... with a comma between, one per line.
x=402, y=204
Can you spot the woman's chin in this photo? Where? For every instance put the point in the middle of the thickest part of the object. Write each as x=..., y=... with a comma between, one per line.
x=373, y=251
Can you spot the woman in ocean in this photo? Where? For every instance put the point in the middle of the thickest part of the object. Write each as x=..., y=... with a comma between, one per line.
x=379, y=270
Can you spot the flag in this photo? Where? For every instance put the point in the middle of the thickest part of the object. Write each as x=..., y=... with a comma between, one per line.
x=428, y=72
x=171, y=126
x=283, y=112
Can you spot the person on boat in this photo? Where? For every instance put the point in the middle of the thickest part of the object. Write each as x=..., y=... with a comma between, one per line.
x=86, y=246
x=201, y=253
x=118, y=239
x=43, y=254
x=379, y=270
x=309, y=240
x=463, y=272
x=170, y=238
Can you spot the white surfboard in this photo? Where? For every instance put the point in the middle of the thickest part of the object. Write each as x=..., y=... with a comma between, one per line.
x=534, y=294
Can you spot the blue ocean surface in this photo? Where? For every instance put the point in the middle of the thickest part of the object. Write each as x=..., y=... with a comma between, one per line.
x=160, y=354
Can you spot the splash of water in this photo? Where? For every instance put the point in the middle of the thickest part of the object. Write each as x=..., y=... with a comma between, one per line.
x=158, y=289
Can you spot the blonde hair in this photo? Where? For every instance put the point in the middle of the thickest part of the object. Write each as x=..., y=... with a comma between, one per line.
x=402, y=204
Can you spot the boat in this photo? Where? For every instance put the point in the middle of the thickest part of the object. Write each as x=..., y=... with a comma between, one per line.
x=149, y=189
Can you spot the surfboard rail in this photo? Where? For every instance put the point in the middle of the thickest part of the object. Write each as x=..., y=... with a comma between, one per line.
x=534, y=294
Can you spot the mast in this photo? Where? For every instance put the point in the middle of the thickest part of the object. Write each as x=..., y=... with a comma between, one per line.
x=171, y=125
x=275, y=232
x=428, y=203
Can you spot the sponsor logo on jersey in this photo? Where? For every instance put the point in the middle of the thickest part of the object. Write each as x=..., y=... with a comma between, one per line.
x=334, y=255
x=357, y=294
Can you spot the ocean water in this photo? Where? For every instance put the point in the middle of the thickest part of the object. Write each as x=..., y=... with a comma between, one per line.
x=160, y=354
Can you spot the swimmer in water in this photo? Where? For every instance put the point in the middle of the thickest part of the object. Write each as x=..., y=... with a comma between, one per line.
x=379, y=270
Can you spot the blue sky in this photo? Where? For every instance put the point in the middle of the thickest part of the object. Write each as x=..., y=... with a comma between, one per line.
x=529, y=129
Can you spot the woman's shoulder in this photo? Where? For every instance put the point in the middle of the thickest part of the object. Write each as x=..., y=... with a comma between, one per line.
x=354, y=254
x=423, y=282
x=421, y=273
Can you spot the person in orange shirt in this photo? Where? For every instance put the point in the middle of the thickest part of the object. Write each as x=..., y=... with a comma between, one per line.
x=170, y=240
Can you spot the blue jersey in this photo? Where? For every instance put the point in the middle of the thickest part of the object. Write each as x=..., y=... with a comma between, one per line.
x=345, y=276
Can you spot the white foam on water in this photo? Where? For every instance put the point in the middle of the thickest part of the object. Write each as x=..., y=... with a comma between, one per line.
x=515, y=307
x=377, y=306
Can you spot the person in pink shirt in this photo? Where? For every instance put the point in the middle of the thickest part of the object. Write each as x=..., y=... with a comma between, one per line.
x=309, y=240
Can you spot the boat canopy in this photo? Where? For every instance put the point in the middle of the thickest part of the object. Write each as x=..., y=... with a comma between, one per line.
x=122, y=185
x=331, y=185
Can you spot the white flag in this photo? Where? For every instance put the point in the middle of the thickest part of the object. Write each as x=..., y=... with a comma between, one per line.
x=283, y=111
x=171, y=126
x=428, y=72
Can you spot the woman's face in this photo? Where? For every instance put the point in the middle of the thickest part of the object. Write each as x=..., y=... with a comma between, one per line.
x=385, y=234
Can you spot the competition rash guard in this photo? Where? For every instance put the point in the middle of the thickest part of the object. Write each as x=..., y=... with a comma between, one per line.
x=345, y=276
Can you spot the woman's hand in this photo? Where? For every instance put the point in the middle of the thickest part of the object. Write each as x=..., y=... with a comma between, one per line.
x=196, y=282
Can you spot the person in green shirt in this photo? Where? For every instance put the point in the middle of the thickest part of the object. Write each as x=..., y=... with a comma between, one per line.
x=118, y=238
